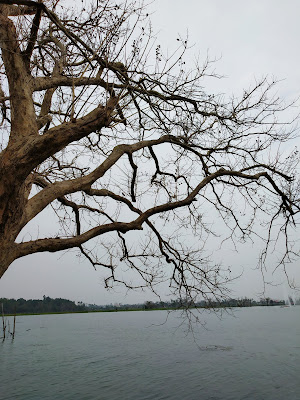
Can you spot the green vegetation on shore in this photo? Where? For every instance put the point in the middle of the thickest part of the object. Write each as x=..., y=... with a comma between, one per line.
x=44, y=306
x=63, y=306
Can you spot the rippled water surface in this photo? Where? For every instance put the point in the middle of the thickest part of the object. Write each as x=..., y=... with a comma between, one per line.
x=254, y=355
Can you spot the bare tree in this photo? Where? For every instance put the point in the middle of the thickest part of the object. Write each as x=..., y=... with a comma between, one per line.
x=113, y=137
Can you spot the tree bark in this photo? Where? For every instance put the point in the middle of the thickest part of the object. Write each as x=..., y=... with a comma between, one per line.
x=14, y=192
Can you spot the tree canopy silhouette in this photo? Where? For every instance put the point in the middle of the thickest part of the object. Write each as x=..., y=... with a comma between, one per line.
x=129, y=153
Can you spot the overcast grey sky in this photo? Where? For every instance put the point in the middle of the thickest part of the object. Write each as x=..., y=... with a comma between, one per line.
x=250, y=39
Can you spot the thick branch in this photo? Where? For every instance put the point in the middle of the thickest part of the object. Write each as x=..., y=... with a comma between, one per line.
x=39, y=148
x=38, y=202
x=57, y=244
x=23, y=120
x=60, y=244
x=33, y=36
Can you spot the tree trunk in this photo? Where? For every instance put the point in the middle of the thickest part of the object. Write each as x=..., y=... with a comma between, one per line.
x=14, y=191
x=7, y=255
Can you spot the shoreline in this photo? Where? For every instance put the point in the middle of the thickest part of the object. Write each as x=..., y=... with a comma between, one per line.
x=132, y=309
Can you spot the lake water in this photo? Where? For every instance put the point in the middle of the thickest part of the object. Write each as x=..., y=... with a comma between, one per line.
x=253, y=355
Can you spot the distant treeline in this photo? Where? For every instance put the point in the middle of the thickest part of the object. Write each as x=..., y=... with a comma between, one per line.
x=47, y=305
x=179, y=304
